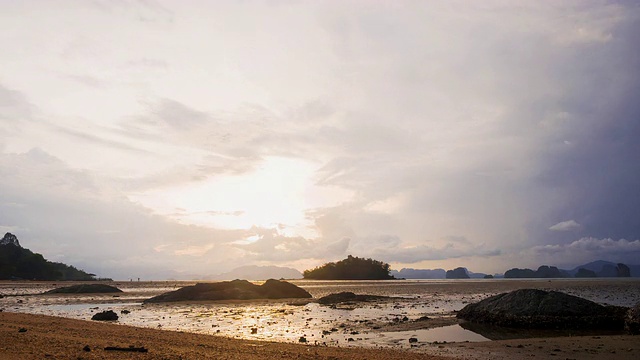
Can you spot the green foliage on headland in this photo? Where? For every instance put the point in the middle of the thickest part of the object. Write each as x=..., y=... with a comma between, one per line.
x=351, y=268
x=17, y=263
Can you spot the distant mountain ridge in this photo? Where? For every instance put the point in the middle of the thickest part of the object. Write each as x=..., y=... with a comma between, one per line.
x=409, y=273
x=603, y=268
x=598, y=268
x=17, y=262
x=253, y=272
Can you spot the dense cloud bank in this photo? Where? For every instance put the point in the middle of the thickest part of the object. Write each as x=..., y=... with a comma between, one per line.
x=436, y=134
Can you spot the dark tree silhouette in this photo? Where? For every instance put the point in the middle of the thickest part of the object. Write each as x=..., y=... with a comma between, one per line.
x=351, y=268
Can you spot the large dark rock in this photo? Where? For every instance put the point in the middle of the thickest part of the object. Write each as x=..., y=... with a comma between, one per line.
x=108, y=315
x=233, y=290
x=632, y=321
x=85, y=289
x=538, y=309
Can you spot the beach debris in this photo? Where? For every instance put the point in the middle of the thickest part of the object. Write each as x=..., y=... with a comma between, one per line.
x=632, y=320
x=125, y=312
x=131, y=348
x=302, y=339
x=413, y=340
x=254, y=330
x=532, y=308
x=85, y=289
x=107, y=315
x=86, y=348
x=233, y=290
x=21, y=330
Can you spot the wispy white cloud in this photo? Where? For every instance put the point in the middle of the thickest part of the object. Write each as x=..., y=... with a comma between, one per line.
x=568, y=225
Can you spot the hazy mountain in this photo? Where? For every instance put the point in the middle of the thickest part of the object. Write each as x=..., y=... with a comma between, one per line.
x=474, y=275
x=253, y=272
x=408, y=273
x=605, y=268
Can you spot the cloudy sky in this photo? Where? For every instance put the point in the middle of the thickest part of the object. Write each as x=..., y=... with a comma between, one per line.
x=176, y=139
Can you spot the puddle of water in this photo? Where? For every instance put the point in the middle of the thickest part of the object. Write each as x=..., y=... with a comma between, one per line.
x=404, y=339
x=452, y=333
x=503, y=333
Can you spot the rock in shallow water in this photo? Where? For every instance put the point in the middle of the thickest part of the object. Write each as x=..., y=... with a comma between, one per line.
x=539, y=309
x=233, y=290
x=632, y=321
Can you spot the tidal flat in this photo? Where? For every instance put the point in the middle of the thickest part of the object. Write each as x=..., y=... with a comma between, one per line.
x=421, y=310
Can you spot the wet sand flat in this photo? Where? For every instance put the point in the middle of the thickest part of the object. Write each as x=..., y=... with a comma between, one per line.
x=49, y=337
x=425, y=305
x=61, y=338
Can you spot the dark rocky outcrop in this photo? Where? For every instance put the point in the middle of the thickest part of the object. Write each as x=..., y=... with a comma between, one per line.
x=538, y=309
x=108, y=315
x=608, y=271
x=10, y=239
x=233, y=290
x=85, y=289
x=457, y=273
x=348, y=297
x=543, y=272
x=632, y=320
x=623, y=270
x=519, y=273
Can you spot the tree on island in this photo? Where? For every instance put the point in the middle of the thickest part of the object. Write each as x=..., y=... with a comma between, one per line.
x=351, y=268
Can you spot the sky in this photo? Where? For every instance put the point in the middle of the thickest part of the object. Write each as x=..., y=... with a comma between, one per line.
x=180, y=139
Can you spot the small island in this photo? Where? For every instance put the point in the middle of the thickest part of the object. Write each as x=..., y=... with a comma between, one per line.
x=351, y=268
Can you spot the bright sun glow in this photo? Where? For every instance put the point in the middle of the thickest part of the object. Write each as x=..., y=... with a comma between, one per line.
x=276, y=194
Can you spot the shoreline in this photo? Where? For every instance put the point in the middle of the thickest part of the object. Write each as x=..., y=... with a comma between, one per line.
x=45, y=336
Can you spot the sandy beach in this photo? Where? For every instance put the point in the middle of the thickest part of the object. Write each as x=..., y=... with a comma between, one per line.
x=61, y=338
x=27, y=336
